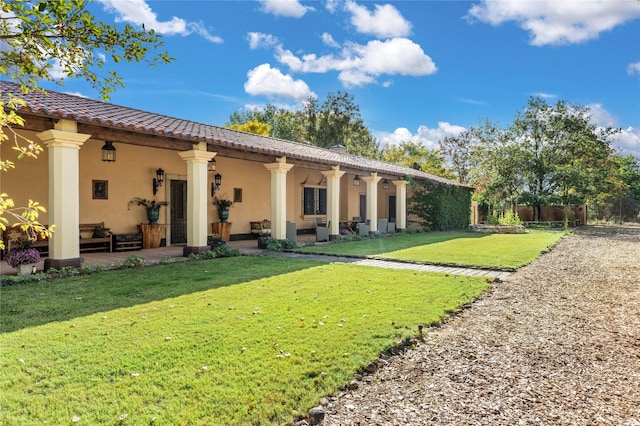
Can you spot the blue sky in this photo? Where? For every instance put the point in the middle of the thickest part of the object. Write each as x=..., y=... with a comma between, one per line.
x=419, y=70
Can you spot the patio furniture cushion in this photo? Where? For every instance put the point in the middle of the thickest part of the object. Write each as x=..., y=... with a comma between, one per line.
x=260, y=227
x=322, y=232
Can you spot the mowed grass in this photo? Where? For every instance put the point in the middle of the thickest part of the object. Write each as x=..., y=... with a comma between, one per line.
x=224, y=353
x=504, y=251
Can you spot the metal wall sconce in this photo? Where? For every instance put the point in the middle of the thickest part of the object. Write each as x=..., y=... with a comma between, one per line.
x=108, y=152
x=385, y=184
x=212, y=165
x=356, y=181
x=158, y=180
x=215, y=185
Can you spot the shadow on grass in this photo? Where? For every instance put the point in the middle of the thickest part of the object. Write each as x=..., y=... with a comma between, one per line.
x=35, y=304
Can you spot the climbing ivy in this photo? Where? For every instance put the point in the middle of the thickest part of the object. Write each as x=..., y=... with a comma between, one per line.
x=440, y=207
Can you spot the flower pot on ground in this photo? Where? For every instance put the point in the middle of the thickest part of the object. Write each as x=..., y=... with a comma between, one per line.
x=223, y=206
x=152, y=206
x=214, y=241
x=23, y=258
x=263, y=241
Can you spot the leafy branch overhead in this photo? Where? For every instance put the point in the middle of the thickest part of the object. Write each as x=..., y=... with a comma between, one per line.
x=45, y=40
x=53, y=40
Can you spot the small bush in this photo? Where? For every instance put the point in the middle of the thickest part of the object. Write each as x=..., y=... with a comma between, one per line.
x=225, y=251
x=510, y=218
x=133, y=261
x=274, y=245
x=288, y=244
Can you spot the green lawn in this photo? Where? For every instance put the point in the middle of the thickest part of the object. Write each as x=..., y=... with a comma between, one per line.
x=504, y=251
x=218, y=342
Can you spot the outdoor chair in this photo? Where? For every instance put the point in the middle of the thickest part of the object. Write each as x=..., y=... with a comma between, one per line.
x=322, y=232
x=382, y=226
x=391, y=228
x=363, y=229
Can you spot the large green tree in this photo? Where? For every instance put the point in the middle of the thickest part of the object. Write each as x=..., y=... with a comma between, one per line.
x=565, y=158
x=42, y=39
x=338, y=120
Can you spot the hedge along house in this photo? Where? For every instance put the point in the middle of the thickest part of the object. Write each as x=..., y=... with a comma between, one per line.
x=267, y=178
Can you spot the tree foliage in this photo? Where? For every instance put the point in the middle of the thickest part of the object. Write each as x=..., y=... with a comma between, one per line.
x=549, y=155
x=253, y=126
x=44, y=40
x=417, y=156
x=283, y=123
x=337, y=120
x=51, y=40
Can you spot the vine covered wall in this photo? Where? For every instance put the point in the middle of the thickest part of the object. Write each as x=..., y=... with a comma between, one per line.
x=440, y=207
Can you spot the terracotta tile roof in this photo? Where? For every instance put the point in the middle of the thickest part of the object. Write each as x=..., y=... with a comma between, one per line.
x=60, y=105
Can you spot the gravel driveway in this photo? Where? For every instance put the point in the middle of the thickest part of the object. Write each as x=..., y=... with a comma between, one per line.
x=558, y=342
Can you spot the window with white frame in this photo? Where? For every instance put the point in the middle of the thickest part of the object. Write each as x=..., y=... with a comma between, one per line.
x=314, y=201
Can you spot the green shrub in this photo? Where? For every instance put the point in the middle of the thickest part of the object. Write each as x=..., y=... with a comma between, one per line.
x=133, y=261
x=510, y=218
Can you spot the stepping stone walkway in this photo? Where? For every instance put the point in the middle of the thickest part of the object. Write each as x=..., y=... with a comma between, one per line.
x=392, y=264
x=472, y=272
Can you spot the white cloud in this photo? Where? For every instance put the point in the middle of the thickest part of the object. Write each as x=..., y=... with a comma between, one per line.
x=257, y=40
x=633, y=69
x=328, y=40
x=362, y=64
x=286, y=8
x=544, y=95
x=386, y=21
x=138, y=12
x=429, y=137
x=601, y=117
x=332, y=5
x=628, y=141
x=555, y=22
x=266, y=81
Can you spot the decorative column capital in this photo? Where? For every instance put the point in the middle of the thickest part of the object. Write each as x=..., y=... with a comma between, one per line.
x=373, y=178
x=62, y=139
x=335, y=172
x=400, y=183
x=196, y=156
x=278, y=167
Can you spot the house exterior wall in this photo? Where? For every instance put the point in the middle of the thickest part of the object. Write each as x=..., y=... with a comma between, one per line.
x=132, y=174
x=29, y=179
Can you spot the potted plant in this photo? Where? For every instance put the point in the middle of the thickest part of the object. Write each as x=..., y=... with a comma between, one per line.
x=214, y=241
x=152, y=206
x=263, y=240
x=223, y=206
x=23, y=258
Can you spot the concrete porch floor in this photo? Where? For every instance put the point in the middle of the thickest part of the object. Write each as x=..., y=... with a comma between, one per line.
x=151, y=256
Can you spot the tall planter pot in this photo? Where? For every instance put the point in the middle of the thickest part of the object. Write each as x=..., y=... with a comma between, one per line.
x=152, y=215
x=224, y=215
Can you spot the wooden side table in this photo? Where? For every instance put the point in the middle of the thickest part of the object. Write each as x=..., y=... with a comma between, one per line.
x=223, y=229
x=151, y=235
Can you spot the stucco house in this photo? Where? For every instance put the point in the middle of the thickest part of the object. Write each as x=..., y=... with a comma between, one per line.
x=266, y=178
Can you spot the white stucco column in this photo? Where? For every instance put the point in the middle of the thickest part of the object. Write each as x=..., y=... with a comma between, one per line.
x=372, y=200
x=197, y=161
x=279, y=171
x=401, y=204
x=333, y=200
x=64, y=193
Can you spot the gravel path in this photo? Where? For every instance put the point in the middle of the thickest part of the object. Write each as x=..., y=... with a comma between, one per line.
x=558, y=342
